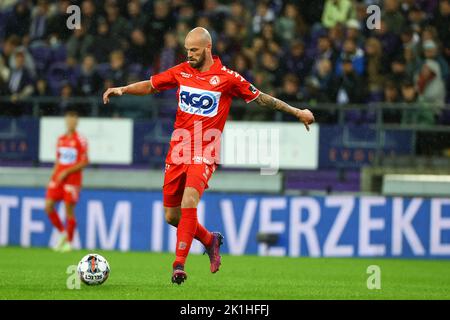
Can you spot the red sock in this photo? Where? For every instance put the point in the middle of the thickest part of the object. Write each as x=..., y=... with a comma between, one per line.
x=203, y=235
x=185, y=234
x=56, y=221
x=70, y=226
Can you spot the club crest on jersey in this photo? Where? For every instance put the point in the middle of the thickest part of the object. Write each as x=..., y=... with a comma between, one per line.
x=214, y=81
x=197, y=101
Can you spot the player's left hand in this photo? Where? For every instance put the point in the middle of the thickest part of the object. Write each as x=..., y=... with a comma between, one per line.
x=305, y=116
x=61, y=177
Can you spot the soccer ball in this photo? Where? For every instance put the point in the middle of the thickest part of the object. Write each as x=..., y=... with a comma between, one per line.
x=93, y=269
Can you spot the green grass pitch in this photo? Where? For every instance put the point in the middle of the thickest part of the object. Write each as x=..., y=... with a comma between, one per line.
x=38, y=273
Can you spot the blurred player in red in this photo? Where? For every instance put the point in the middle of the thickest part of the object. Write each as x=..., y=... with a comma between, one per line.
x=205, y=90
x=65, y=181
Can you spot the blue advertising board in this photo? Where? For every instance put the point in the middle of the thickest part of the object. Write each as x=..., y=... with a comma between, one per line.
x=19, y=139
x=341, y=226
x=355, y=146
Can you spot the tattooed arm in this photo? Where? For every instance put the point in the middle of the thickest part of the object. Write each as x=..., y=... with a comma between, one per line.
x=304, y=115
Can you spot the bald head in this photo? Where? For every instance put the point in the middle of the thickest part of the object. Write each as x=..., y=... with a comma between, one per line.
x=198, y=45
x=199, y=36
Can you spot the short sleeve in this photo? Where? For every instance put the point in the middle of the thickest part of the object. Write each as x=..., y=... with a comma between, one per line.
x=244, y=89
x=164, y=81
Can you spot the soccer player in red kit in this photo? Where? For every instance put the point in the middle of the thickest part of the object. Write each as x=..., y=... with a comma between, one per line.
x=65, y=181
x=205, y=90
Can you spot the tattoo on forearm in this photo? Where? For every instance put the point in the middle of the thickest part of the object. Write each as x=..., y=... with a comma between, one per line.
x=268, y=101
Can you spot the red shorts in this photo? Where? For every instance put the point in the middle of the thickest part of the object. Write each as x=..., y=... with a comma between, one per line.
x=63, y=192
x=179, y=176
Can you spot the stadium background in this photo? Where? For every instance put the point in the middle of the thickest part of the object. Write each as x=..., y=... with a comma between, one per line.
x=372, y=178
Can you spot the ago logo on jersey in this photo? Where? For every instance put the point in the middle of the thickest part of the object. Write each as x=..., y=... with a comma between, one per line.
x=197, y=101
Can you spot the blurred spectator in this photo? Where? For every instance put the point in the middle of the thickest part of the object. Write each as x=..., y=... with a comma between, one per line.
x=270, y=64
x=348, y=86
x=390, y=42
x=336, y=35
x=391, y=93
x=398, y=70
x=410, y=40
x=10, y=44
x=421, y=114
x=416, y=19
x=18, y=22
x=160, y=21
x=4, y=76
x=353, y=32
x=29, y=61
x=442, y=21
x=186, y=14
x=139, y=50
x=89, y=81
x=290, y=91
x=117, y=73
x=39, y=20
x=255, y=50
x=429, y=82
x=42, y=90
x=56, y=29
x=118, y=26
x=323, y=73
x=375, y=69
x=336, y=11
x=263, y=15
x=326, y=50
x=239, y=13
x=171, y=54
x=66, y=101
x=79, y=44
x=392, y=16
x=351, y=52
x=296, y=61
x=431, y=51
x=233, y=36
x=242, y=66
x=89, y=14
x=289, y=24
x=391, y=96
x=137, y=19
x=181, y=30
x=20, y=84
x=104, y=42
x=215, y=11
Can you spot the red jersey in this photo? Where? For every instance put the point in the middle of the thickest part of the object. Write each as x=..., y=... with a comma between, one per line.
x=204, y=100
x=70, y=151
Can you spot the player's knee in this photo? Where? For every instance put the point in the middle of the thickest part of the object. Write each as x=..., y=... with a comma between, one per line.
x=172, y=217
x=189, y=201
x=49, y=207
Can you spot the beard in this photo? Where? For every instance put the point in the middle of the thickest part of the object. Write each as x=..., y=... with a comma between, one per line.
x=200, y=62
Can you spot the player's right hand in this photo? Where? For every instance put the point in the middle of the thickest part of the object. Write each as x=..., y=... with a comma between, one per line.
x=112, y=92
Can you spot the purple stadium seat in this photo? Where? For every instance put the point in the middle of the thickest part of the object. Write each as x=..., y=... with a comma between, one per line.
x=42, y=56
x=58, y=74
x=135, y=69
x=103, y=69
x=59, y=54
